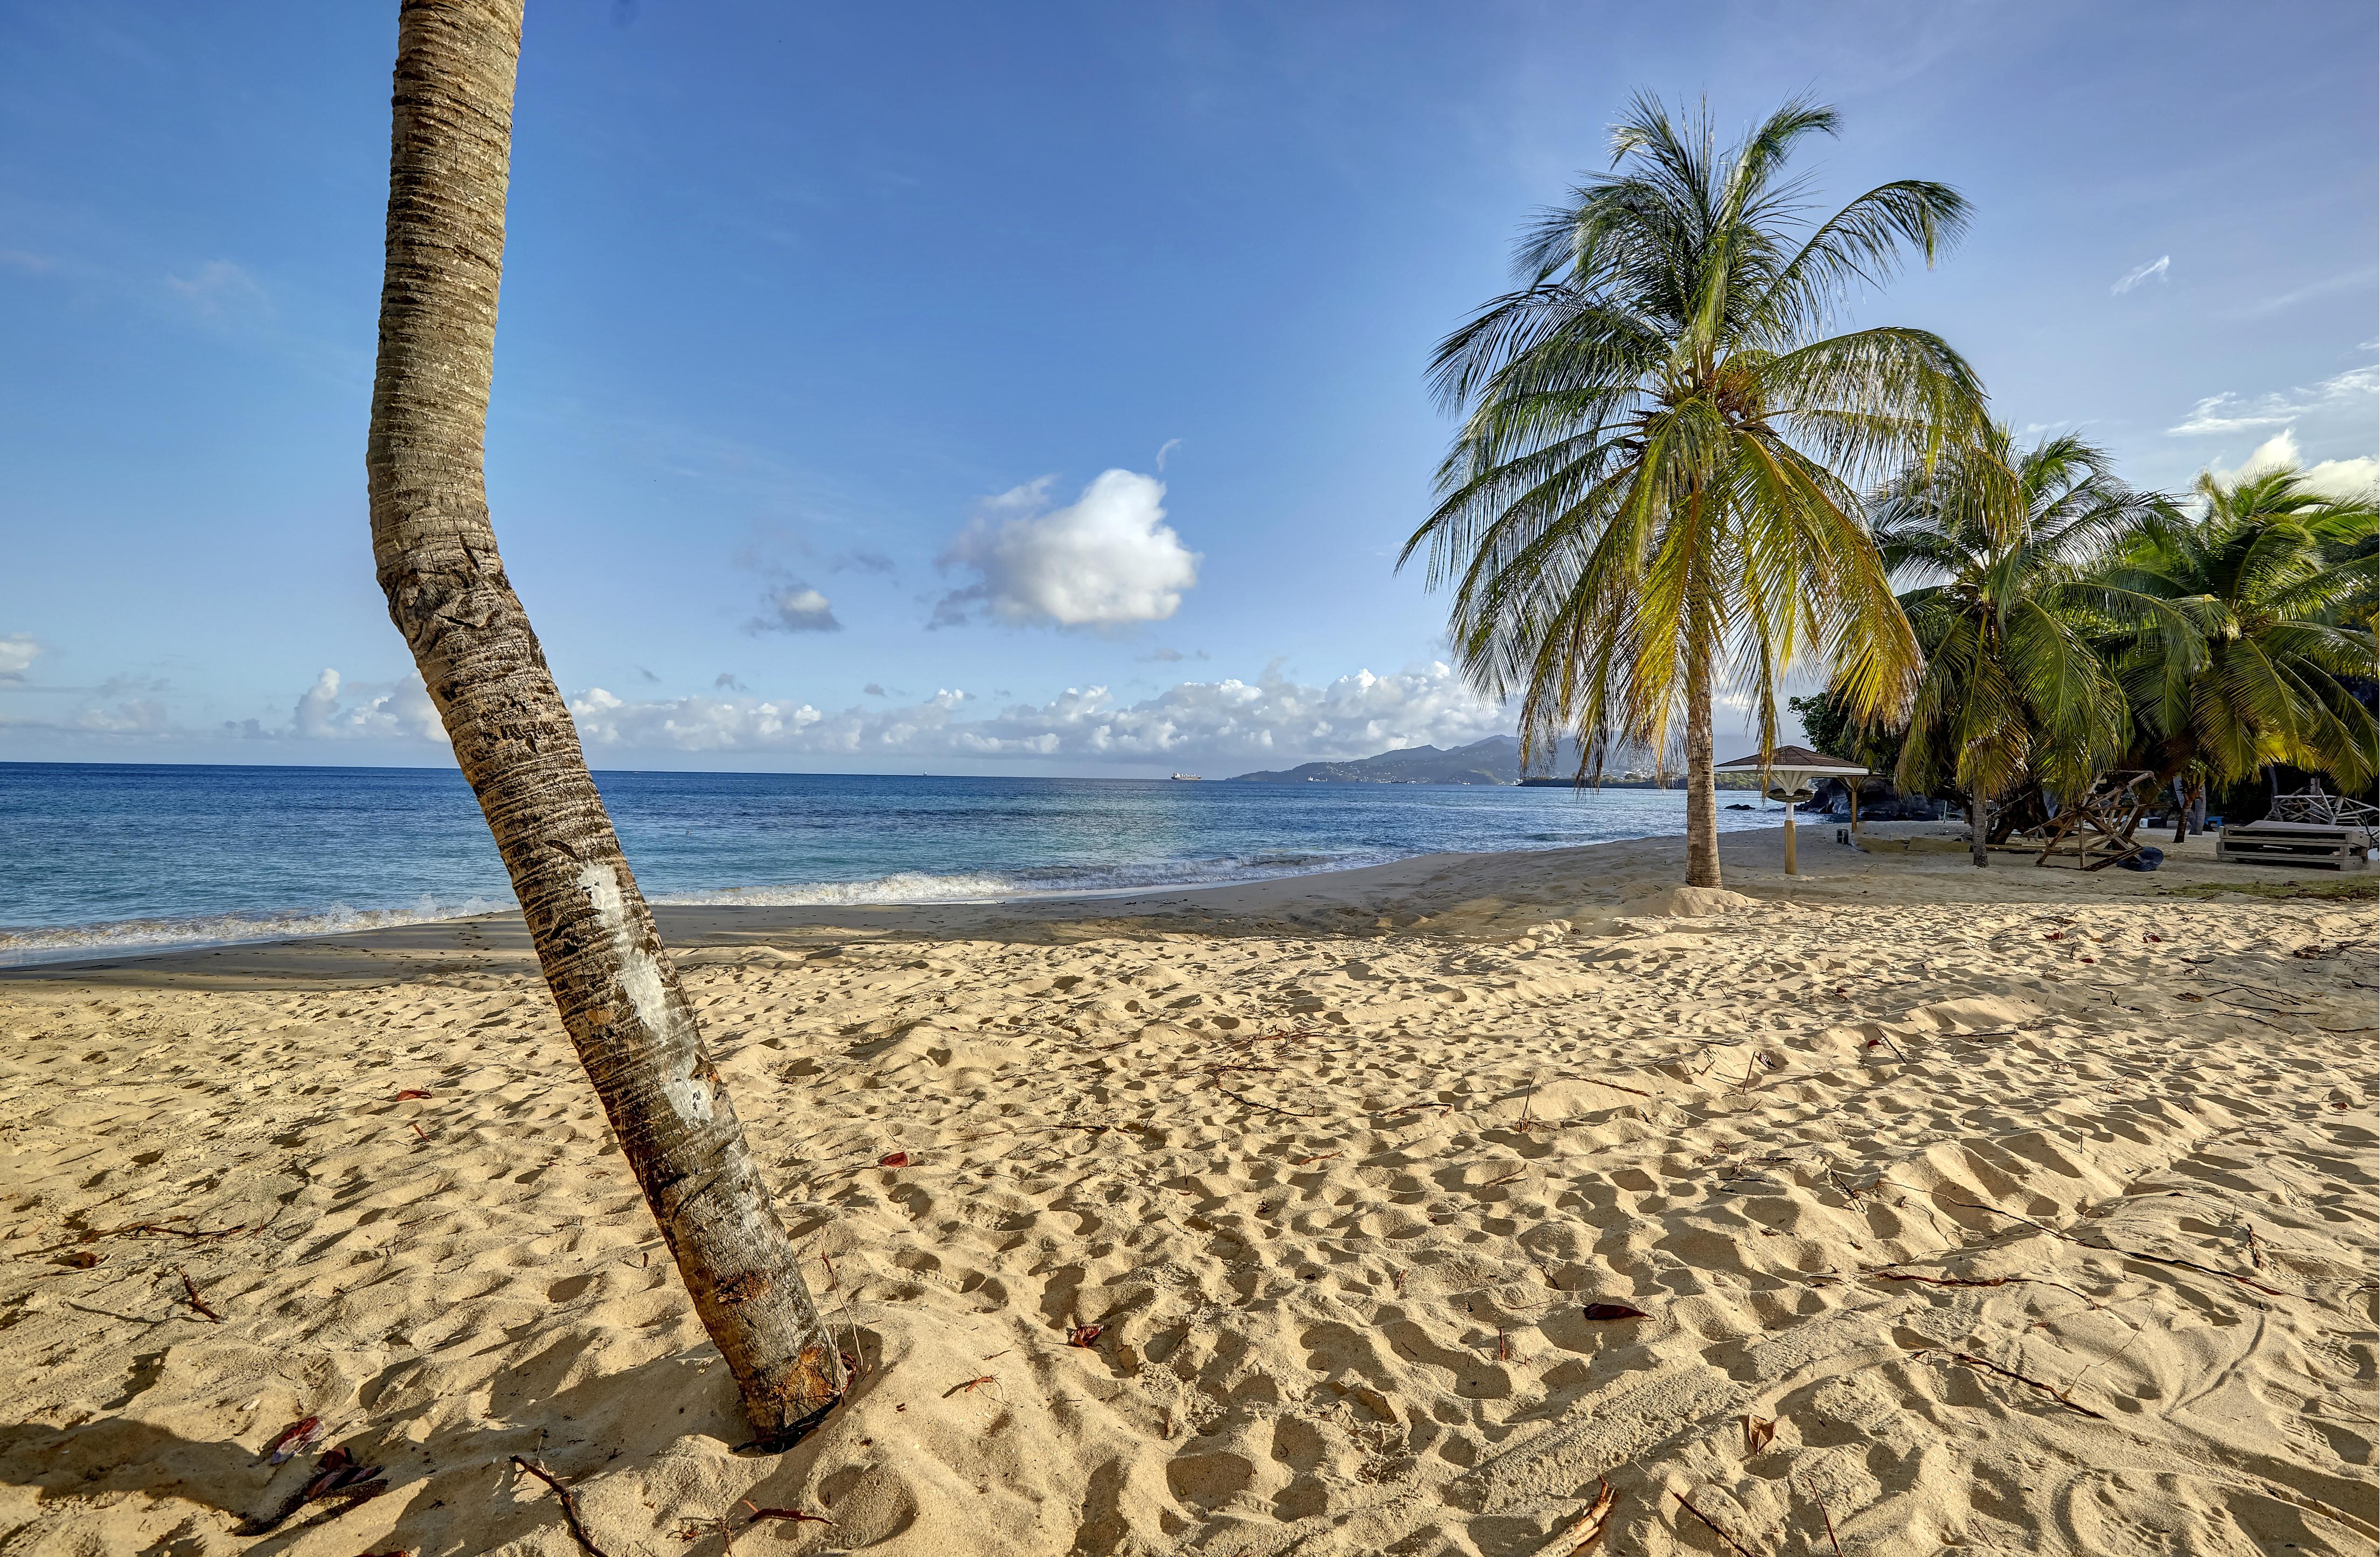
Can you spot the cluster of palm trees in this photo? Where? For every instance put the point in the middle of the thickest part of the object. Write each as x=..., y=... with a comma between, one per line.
x=1669, y=478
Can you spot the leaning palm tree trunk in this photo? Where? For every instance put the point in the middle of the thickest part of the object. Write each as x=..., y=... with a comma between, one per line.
x=436, y=553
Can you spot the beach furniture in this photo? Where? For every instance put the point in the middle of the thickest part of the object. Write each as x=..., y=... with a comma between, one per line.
x=2095, y=829
x=2311, y=831
x=1789, y=771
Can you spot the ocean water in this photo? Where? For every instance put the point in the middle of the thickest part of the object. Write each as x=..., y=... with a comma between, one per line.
x=99, y=860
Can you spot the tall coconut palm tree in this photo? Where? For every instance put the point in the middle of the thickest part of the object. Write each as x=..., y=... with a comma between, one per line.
x=1653, y=491
x=436, y=553
x=2001, y=549
x=2279, y=583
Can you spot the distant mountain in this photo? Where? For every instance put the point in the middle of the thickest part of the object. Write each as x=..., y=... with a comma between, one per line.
x=1496, y=760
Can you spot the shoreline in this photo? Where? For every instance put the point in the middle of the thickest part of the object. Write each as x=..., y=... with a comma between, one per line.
x=101, y=954
x=1588, y=879
x=726, y=845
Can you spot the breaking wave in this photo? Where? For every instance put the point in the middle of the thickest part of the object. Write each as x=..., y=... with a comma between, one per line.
x=902, y=886
x=72, y=943
x=1062, y=881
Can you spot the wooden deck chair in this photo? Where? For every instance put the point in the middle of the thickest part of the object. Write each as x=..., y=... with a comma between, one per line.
x=2096, y=828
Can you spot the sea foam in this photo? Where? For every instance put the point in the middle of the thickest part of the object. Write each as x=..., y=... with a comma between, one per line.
x=74, y=942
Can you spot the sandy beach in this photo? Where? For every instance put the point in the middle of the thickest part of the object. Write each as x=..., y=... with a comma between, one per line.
x=1895, y=1207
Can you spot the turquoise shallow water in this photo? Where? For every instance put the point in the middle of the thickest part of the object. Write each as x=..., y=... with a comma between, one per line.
x=111, y=858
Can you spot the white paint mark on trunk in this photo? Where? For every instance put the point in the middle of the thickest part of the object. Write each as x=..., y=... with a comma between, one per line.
x=641, y=981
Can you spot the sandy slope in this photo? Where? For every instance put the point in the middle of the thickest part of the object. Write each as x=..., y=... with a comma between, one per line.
x=1337, y=1165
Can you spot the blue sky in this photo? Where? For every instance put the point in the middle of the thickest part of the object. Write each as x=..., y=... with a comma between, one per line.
x=823, y=328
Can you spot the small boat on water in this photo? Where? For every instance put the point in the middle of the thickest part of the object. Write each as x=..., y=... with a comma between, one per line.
x=1186, y=778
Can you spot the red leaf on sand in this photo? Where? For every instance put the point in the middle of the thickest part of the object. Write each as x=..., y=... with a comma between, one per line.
x=410, y=1093
x=293, y=1440
x=894, y=1159
x=2153, y=936
x=1601, y=1311
x=339, y=1473
x=2055, y=936
x=1084, y=1335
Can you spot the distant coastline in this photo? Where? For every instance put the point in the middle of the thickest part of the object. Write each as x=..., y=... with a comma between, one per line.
x=1496, y=760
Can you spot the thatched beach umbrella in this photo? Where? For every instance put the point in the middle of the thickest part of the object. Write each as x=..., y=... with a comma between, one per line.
x=1790, y=770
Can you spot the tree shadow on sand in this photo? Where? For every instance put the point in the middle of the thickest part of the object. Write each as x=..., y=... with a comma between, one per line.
x=452, y=1494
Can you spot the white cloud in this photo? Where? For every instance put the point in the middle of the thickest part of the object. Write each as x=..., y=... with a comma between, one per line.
x=1274, y=722
x=2345, y=281
x=2228, y=413
x=794, y=608
x=1106, y=559
x=219, y=290
x=2334, y=478
x=141, y=715
x=2348, y=480
x=2154, y=269
x=331, y=710
x=16, y=655
x=1219, y=727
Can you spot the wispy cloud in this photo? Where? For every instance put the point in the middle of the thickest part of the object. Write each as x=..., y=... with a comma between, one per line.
x=2154, y=269
x=220, y=291
x=2229, y=413
x=2345, y=281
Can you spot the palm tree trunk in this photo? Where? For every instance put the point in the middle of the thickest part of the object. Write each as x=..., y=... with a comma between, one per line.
x=1702, y=781
x=513, y=737
x=1977, y=843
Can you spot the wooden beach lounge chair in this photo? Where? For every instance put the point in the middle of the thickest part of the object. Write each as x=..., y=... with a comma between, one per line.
x=2311, y=831
x=2095, y=828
